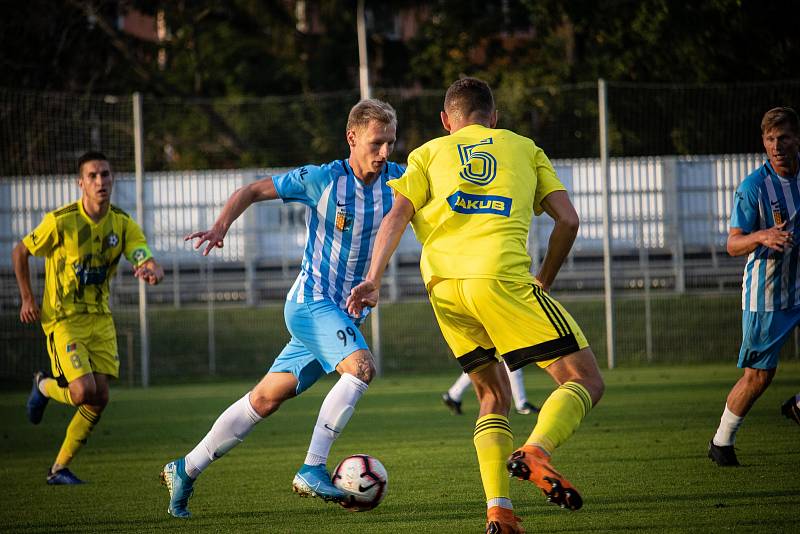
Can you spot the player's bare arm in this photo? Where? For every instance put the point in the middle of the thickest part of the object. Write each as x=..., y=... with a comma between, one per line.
x=238, y=202
x=775, y=238
x=29, y=309
x=559, y=207
x=149, y=271
x=392, y=227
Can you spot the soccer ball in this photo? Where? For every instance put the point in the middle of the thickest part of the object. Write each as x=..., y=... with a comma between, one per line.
x=364, y=479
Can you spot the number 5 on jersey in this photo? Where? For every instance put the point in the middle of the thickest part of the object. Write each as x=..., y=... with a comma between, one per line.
x=478, y=167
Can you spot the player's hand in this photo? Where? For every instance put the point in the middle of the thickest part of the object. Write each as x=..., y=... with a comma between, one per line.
x=364, y=295
x=213, y=236
x=29, y=311
x=776, y=237
x=541, y=284
x=150, y=272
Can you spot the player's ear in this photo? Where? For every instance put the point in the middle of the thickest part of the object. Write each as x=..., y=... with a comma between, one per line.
x=493, y=119
x=445, y=120
x=351, y=138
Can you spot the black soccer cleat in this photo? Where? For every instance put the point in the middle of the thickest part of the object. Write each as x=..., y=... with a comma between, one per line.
x=790, y=410
x=723, y=456
x=450, y=402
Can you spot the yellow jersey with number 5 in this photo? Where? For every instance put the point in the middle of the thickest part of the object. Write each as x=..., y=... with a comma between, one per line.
x=475, y=192
x=81, y=257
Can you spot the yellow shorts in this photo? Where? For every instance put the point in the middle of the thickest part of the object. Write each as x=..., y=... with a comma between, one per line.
x=484, y=320
x=83, y=344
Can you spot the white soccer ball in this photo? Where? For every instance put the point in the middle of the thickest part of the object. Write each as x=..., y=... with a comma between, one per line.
x=364, y=479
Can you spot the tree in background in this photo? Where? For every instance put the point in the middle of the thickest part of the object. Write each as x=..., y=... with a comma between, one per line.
x=542, y=57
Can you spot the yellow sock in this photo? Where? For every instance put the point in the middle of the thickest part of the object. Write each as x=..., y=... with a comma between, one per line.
x=493, y=443
x=560, y=416
x=77, y=433
x=58, y=394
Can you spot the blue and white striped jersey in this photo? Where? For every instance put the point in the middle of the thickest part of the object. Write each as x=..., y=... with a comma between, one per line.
x=771, y=279
x=342, y=219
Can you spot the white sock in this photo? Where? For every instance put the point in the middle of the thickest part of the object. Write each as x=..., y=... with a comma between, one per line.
x=729, y=423
x=228, y=431
x=335, y=412
x=457, y=390
x=502, y=502
x=517, y=380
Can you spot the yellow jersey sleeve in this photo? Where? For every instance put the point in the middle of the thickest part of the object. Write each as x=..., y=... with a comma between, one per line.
x=546, y=179
x=136, y=249
x=43, y=238
x=413, y=184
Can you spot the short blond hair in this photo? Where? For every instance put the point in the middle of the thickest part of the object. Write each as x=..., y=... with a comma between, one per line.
x=778, y=116
x=370, y=109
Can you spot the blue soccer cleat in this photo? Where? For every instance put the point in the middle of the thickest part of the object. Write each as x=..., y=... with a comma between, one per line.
x=314, y=481
x=179, y=484
x=37, y=402
x=62, y=477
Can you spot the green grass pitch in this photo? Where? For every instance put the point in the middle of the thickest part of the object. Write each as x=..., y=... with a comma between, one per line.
x=639, y=460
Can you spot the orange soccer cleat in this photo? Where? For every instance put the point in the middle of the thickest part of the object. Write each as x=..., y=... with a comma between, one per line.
x=501, y=520
x=530, y=462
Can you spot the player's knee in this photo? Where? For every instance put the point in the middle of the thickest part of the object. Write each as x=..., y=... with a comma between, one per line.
x=359, y=364
x=759, y=379
x=596, y=388
x=366, y=371
x=494, y=397
x=100, y=399
x=82, y=393
x=264, y=405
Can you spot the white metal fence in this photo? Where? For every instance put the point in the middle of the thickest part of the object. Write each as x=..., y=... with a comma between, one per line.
x=662, y=263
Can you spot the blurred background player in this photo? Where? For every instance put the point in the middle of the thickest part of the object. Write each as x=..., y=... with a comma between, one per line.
x=345, y=202
x=82, y=243
x=452, y=397
x=763, y=225
x=470, y=197
x=791, y=408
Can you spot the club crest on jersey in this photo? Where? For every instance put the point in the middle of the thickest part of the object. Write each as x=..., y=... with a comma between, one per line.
x=461, y=202
x=344, y=219
x=112, y=240
x=138, y=255
x=776, y=212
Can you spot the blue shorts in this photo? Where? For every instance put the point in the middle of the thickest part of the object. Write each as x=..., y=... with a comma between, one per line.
x=763, y=336
x=322, y=336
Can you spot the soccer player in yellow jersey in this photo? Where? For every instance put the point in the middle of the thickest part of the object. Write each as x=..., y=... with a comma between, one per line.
x=82, y=243
x=470, y=197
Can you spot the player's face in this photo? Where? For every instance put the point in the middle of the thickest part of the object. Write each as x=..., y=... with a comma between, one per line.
x=96, y=181
x=370, y=147
x=782, y=146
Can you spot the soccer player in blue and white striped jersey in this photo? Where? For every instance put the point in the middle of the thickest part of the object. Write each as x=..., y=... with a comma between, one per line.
x=764, y=224
x=345, y=202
